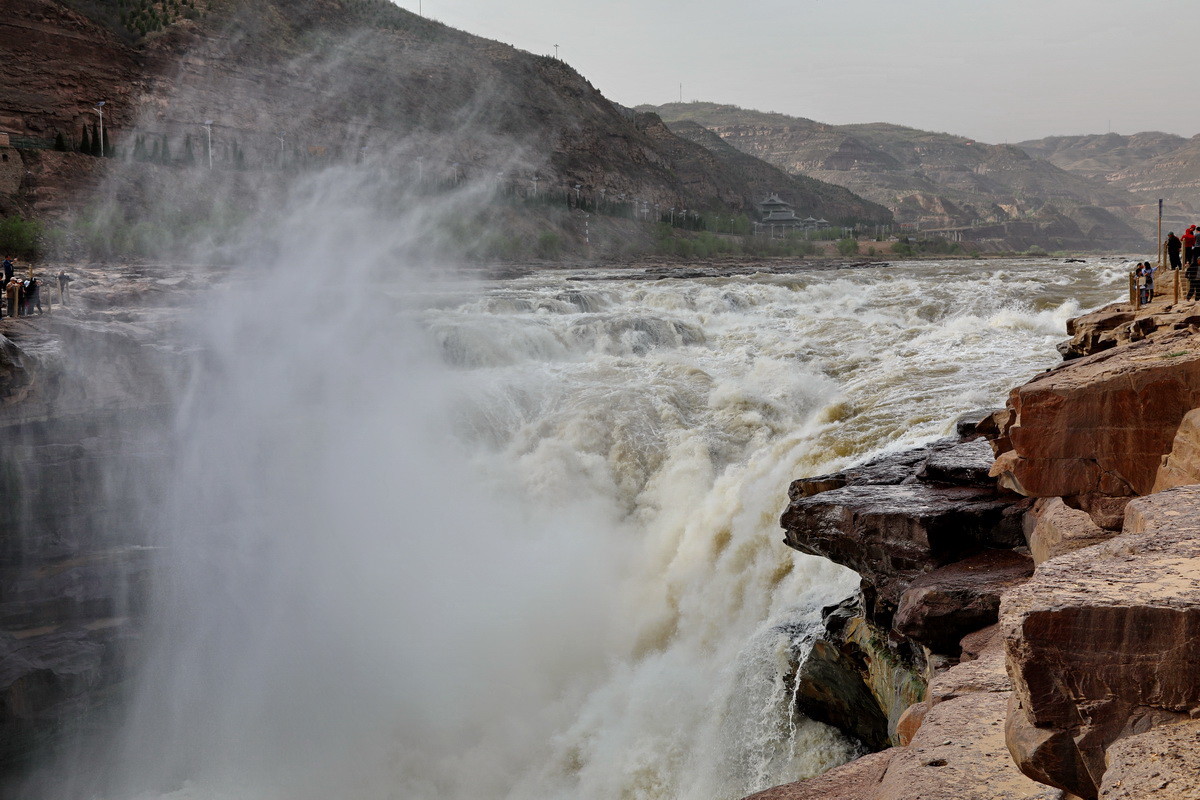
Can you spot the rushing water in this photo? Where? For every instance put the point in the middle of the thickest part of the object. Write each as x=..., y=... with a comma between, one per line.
x=520, y=539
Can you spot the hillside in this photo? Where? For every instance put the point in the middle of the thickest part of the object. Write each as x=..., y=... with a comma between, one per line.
x=935, y=180
x=1149, y=166
x=296, y=84
x=1099, y=155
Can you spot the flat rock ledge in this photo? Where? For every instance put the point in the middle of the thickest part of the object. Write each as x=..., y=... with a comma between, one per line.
x=896, y=519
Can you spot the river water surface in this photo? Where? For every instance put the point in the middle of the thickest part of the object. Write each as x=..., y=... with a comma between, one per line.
x=520, y=539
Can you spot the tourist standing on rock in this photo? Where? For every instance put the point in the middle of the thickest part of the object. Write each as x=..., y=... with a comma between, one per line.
x=1189, y=245
x=13, y=292
x=1147, y=282
x=64, y=288
x=1173, y=248
x=1193, y=292
x=33, y=296
x=8, y=268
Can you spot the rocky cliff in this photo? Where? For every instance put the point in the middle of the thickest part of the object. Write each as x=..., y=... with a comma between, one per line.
x=82, y=414
x=1052, y=628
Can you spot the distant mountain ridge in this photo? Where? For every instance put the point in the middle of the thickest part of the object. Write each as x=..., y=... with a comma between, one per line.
x=936, y=180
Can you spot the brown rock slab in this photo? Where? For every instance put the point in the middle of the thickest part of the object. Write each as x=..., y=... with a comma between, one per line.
x=1101, y=423
x=1059, y=529
x=1181, y=467
x=910, y=722
x=1103, y=642
x=1162, y=764
x=857, y=780
x=959, y=754
x=985, y=674
x=942, y=606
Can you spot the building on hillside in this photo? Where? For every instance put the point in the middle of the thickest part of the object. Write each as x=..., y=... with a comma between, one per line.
x=778, y=214
x=779, y=218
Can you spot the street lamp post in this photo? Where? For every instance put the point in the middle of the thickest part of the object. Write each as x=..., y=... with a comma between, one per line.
x=208, y=132
x=100, y=111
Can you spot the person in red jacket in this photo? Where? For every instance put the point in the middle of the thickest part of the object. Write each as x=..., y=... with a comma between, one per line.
x=1189, y=245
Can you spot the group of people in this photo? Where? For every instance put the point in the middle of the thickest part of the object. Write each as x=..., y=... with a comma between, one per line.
x=1183, y=252
x=23, y=295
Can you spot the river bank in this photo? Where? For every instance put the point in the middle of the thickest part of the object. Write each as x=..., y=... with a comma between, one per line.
x=1077, y=680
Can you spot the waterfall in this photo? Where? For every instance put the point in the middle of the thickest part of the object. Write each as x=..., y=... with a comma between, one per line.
x=429, y=536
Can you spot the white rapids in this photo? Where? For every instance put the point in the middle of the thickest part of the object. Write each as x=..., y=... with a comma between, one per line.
x=522, y=540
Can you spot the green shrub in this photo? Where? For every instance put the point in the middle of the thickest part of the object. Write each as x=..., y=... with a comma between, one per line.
x=19, y=237
x=847, y=247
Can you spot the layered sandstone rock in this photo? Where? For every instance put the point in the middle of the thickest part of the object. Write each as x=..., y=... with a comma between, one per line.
x=1103, y=642
x=940, y=607
x=891, y=535
x=856, y=679
x=954, y=750
x=1181, y=466
x=1097, y=428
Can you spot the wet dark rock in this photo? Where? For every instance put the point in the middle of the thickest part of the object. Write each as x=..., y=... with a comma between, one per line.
x=940, y=607
x=857, y=680
x=891, y=534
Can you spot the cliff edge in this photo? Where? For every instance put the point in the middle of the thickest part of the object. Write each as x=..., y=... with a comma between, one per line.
x=1048, y=610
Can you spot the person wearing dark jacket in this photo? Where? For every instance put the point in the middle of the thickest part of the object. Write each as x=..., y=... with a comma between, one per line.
x=1173, y=248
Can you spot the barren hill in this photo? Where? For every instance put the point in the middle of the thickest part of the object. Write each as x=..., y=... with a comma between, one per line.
x=936, y=180
x=312, y=80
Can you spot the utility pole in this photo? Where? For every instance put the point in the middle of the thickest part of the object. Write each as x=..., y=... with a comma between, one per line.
x=556, y=52
x=100, y=111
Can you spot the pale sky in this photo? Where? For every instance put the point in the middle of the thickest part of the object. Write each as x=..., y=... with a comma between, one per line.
x=997, y=71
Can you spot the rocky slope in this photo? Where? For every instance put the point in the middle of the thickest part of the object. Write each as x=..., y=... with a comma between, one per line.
x=322, y=81
x=1150, y=166
x=1085, y=688
x=935, y=179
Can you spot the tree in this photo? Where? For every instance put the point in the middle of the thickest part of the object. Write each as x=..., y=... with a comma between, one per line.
x=106, y=150
x=85, y=142
x=60, y=143
x=166, y=150
x=847, y=246
x=95, y=140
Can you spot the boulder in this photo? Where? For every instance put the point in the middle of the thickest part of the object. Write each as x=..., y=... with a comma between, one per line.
x=1057, y=529
x=1102, y=643
x=1101, y=424
x=942, y=606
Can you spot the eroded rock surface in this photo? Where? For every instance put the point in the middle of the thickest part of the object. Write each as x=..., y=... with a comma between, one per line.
x=858, y=780
x=1162, y=764
x=1103, y=642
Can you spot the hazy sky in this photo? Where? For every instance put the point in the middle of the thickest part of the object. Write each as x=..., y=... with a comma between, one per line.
x=997, y=71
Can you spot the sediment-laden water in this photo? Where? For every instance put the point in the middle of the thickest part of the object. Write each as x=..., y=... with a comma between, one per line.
x=520, y=539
